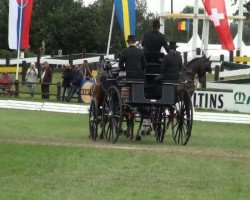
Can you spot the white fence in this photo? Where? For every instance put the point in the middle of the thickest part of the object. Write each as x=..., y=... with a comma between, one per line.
x=53, y=61
x=83, y=109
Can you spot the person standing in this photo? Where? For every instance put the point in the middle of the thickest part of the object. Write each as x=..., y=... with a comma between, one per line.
x=76, y=83
x=31, y=78
x=132, y=60
x=46, y=79
x=86, y=71
x=67, y=76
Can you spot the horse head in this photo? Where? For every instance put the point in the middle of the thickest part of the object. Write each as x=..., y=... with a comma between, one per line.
x=199, y=66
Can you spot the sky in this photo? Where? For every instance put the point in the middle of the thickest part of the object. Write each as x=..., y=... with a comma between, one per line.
x=154, y=5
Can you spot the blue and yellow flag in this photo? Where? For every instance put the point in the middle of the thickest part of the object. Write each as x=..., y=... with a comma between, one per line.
x=125, y=12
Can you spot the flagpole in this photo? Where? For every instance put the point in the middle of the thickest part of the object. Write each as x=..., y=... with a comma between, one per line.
x=240, y=27
x=111, y=28
x=19, y=39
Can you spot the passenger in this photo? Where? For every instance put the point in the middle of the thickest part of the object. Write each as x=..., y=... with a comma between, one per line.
x=153, y=41
x=132, y=60
x=171, y=64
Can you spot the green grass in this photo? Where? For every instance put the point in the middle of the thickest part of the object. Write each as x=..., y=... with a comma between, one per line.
x=49, y=156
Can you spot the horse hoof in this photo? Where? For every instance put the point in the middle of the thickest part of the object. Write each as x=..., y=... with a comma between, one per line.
x=138, y=138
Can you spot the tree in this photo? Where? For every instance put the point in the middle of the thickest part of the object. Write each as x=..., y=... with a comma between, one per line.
x=4, y=4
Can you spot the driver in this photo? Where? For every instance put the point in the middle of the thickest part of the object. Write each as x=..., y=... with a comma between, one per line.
x=132, y=60
x=153, y=41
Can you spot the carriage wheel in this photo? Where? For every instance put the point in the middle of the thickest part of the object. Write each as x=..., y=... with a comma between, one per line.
x=112, y=114
x=93, y=119
x=159, y=124
x=182, y=118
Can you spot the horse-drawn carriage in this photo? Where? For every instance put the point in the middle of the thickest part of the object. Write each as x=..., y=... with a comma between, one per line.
x=118, y=102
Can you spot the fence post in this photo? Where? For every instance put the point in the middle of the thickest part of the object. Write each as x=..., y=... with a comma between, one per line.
x=16, y=88
x=24, y=70
x=198, y=51
x=38, y=63
x=71, y=60
x=217, y=73
x=83, y=52
x=59, y=89
x=204, y=83
x=231, y=56
x=7, y=59
x=245, y=63
x=222, y=58
x=238, y=54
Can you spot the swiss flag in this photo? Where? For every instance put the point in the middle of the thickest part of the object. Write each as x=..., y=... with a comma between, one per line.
x=216, y=10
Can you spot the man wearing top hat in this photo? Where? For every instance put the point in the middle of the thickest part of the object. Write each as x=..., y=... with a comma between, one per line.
x=171, y=64
x=153, y=41
x=132, y=60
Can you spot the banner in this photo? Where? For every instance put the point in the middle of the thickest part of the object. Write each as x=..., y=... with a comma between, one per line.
x=216, y=10
x=19, y=23
x=126, y=15
x=183, y=25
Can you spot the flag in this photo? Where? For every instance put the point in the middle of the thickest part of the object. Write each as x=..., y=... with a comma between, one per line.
x=183, y=25
x=125, y=12
x=216, y=10
x=16, y=8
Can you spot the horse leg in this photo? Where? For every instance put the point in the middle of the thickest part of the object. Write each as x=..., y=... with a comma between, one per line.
x=131, y=128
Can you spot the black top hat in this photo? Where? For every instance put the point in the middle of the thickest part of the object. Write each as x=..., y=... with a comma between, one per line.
x=156, y=23
x=172, y=45
x=131, y=39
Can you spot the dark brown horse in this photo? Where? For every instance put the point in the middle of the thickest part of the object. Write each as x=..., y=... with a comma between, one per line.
x=196, y=68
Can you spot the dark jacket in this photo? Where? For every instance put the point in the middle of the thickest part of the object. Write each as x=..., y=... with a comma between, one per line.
x=77, y=77
x=153, y=41
x=47, y=75
x=133, y=61
x=67, y=76
x=171, y=66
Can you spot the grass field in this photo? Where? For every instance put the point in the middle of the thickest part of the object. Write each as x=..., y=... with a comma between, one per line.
x=49, y=156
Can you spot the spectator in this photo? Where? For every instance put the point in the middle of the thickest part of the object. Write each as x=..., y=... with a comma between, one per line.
x=46, y=79
x=76, y=83
x=67, y=76
x=31, y=78
x=5, y=83
x=86, y=71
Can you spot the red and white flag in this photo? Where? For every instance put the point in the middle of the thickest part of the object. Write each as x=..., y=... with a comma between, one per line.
x=19, y=12
x=216, y=10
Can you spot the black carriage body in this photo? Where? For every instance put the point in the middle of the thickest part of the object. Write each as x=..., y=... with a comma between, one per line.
x=137, y=93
